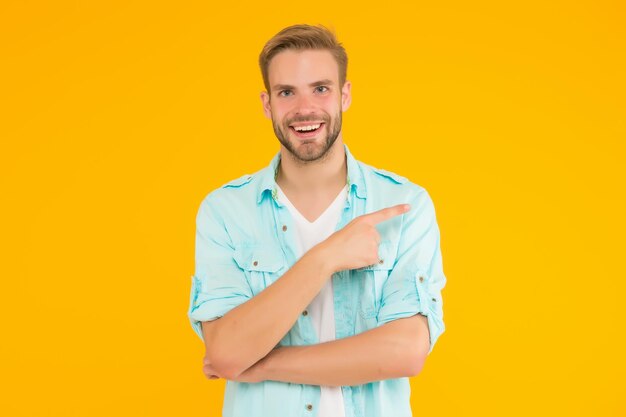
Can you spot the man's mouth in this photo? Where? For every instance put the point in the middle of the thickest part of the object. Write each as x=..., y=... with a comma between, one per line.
x=307, y=130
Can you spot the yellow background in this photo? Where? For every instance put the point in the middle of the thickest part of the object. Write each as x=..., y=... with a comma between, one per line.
x=118, y=117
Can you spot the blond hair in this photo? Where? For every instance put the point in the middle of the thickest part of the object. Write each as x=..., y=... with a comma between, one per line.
x=302, y=37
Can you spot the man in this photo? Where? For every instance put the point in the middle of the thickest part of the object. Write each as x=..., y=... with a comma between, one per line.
x=317, y=289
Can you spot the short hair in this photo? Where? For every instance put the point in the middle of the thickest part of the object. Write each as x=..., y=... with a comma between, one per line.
x=303, y=37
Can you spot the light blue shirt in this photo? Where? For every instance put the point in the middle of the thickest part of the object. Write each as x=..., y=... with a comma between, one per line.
x=245, y=242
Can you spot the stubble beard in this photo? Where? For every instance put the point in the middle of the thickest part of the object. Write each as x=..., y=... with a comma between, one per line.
x=311, y=151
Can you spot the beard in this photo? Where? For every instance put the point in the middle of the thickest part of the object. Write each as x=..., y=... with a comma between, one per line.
x=316, y=148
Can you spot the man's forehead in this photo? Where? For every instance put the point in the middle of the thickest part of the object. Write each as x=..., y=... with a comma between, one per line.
x=302, y=67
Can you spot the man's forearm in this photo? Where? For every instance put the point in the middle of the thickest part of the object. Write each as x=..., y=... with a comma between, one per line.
x=394, y=350
x=243, y=335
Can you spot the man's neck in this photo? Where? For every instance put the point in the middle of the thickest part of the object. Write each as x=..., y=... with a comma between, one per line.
x=318, y=177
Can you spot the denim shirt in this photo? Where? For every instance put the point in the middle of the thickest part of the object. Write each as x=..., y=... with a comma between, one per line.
x=245, y=242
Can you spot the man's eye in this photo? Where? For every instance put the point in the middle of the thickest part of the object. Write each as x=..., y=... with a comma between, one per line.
x=321, y=88
x=284, y=93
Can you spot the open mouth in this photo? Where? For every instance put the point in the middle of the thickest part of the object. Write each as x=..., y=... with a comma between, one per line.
x=307, y=131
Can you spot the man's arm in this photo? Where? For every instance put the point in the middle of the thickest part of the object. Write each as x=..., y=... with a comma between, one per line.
x=242, y=336
x=394, y=350
x=238, y=328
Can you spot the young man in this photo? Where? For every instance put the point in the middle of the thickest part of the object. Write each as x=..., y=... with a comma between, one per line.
x=317, y=289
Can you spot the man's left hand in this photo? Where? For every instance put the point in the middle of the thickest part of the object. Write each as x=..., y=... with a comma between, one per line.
x=250, y=375
x=208, y=370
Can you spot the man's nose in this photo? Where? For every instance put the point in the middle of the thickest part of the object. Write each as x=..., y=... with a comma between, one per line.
x=304, y=104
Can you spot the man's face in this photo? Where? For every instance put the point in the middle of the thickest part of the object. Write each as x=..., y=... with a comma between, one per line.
x=305, y=101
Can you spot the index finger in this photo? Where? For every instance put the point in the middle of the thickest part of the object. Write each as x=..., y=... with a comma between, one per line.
x=381, y=215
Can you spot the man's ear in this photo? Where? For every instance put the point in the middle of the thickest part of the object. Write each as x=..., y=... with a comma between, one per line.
x=265, y=100
x=346, y=96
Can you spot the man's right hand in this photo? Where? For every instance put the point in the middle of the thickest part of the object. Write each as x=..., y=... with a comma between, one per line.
x=356, y=245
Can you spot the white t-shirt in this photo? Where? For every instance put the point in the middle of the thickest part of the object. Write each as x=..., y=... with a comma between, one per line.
x=321, y=310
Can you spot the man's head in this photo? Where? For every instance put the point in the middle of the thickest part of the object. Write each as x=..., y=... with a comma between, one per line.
x=304, y=72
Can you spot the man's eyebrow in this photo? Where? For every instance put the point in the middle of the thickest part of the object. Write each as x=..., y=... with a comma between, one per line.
x=321, y=82
x=291, y=87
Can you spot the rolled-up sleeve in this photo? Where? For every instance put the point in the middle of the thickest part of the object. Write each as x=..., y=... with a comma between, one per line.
x=218, y=284
x=416, y=280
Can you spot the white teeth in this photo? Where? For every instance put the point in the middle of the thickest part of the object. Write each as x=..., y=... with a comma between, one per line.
x=306, y=128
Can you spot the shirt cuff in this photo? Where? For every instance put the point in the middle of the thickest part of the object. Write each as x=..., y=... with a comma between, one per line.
x=417, y=300
x=202, y=307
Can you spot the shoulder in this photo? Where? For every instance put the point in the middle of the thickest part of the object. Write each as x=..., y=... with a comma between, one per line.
x=383, y=175
x=238, y=186
x=380, y=176
x=390, y=176
x=394, y=183
x=239, y=182
x=235, y=194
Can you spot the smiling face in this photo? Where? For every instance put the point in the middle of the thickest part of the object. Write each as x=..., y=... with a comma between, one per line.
x=305, y=101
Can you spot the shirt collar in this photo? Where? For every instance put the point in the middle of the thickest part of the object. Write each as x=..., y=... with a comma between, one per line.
x=354, y=179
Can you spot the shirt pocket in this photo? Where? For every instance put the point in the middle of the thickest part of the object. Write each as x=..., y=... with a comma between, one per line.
x=262, y=263
x=371, y=280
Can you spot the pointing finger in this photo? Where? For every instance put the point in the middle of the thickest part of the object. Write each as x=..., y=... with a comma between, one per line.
x=387, y=213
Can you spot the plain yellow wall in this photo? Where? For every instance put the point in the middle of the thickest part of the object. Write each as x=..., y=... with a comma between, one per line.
x=117, y=118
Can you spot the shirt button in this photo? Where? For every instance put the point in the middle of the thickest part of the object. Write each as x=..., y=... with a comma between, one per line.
x=421, y=279
x=305, y=313
x=381, y=261
x=284, y=227
x=255, y=263
x=309, y=407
